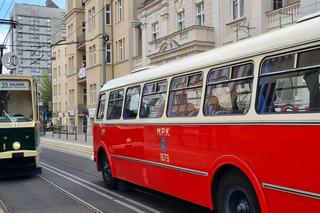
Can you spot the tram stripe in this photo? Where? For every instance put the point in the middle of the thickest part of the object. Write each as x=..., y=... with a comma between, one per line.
x=102, y=189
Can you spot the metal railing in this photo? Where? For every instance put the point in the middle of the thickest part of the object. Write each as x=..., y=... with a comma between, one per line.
x=72, y=132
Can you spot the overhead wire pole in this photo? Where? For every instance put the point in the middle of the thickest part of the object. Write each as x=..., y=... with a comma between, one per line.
x=104, y=43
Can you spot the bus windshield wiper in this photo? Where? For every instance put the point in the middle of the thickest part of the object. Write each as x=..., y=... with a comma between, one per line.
x=8, y=116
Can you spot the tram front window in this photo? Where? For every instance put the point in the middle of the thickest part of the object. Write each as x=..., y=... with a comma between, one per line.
x=16, y=106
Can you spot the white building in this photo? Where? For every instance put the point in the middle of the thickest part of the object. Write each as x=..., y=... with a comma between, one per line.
x=175, y=29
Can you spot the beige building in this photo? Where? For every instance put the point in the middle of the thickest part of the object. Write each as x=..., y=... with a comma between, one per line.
x=99, y=47
x=175, y=29
x=172, y=29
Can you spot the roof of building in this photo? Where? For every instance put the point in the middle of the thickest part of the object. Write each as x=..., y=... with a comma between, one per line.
x=50, y=3
x=297, y=34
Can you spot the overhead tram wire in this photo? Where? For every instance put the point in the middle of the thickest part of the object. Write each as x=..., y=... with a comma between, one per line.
x=2, y=5
x=8, y=9
x=80, y=27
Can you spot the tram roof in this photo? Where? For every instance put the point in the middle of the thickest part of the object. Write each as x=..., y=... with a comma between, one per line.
x=297, y=34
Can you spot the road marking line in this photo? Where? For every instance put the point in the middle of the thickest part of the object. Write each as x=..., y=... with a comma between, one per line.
x=88, y=205
x=96, y=191
x=103, y=189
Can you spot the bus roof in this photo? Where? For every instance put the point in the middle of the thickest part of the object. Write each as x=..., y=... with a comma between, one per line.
x=297, y=34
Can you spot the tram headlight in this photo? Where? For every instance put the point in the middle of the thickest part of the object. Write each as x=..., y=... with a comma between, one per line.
x=16, y=145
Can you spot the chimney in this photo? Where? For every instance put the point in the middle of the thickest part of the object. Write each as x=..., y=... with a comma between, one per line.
x=50, y=3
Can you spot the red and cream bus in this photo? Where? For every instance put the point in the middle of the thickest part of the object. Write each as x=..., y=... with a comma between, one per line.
x=233, y=129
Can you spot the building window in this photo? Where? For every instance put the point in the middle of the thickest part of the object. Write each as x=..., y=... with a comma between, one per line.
x=93, y=94
x=71, y=98
x=277, y=4
x=108, y=53
x=155, y=31
x=71, y=65
x=108, y=14
x=120, y=45
x=119, y=10
x=181, y=20
x=237, y=9
x=92, y=56
x=200, y=13
x=92, y=18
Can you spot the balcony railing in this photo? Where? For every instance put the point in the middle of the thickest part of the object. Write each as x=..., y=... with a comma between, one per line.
x=282, y=17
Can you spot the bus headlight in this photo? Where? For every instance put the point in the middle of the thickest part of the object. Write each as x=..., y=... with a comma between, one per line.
x=16, y=145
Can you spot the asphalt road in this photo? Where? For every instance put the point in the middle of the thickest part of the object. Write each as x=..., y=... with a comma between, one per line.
x=69, y=183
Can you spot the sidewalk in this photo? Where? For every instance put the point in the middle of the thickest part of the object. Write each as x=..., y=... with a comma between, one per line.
x=71, y=146
x=71, y=138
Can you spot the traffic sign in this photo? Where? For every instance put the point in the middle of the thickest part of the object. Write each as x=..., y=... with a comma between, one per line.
x=10, y=60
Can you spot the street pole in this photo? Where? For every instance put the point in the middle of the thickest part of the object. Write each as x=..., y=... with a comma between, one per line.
x=2, y=47
x=104, y=55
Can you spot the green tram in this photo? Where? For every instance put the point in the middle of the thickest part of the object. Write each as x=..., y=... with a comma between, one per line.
x=19, y=126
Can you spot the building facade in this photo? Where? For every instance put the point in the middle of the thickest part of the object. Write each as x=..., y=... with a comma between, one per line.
x=112, y=38
x=99, y=46
x=38, y=27
x=175, y=29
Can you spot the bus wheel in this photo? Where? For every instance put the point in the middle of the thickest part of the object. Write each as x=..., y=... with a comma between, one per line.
x=109, y=181
x=235, y=194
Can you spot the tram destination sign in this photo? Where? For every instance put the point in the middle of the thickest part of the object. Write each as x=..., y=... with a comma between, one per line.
x=14, y=85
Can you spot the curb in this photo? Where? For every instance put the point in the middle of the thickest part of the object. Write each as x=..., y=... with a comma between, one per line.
x=67, y=147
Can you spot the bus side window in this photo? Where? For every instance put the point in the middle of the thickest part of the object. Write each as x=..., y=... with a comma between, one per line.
x=185, y=96
x=229, y=90
x=293, y=90
x=101, y=107
x=132, y=103
x=153, y=100
x=115, y=104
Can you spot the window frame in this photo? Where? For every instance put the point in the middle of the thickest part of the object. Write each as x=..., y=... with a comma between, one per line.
x=108, y=14
x=99, y=105
x=155, y=31
x=188, y=75
x=240, y=5
x=295, y=69
x=230, y=79
x=200, y=15
x=154, y=93
x=181, y=20
x=125, y=103
x=117, y=99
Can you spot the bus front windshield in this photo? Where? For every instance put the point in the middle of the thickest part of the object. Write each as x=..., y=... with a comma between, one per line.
x=15, y=106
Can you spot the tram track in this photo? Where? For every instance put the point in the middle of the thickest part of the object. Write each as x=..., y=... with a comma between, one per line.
x=110, y=195
x=72, y=196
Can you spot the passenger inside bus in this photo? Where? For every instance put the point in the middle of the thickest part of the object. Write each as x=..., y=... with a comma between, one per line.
x=213, y=107
x=181, y=107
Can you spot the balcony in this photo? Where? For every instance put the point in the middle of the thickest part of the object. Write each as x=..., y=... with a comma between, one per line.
x=82, y=76
x=191, y=40
x=283, y=17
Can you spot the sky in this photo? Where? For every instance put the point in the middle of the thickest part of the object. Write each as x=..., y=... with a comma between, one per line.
x=6, y=11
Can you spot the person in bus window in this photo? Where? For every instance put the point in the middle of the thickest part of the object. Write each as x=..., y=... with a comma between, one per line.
x=312, y=81
x=213, y=107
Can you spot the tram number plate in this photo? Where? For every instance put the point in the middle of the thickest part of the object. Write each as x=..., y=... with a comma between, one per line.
x=17, y=155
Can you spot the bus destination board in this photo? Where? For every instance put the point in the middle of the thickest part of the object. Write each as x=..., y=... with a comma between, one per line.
x=14, y=85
